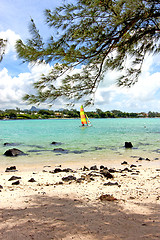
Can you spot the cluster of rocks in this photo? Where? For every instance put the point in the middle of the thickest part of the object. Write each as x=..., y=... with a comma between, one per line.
x=14, y=152
x=89, y=174
x=15, y=178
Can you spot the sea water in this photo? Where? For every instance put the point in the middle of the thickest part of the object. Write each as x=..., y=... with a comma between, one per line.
x=104, y=140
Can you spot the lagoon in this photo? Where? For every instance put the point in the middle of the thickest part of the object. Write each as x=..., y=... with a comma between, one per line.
x=103, y=141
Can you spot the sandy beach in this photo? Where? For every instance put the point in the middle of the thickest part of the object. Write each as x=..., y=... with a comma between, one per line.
x=77, y=202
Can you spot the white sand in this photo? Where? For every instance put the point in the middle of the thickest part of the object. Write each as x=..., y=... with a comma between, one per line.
x=45, y=210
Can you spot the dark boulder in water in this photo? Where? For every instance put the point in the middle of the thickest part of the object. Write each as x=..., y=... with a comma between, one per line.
x=56, y=143
x=60, y=150
x=11, y=144
x=13, y=152
x=128, y=145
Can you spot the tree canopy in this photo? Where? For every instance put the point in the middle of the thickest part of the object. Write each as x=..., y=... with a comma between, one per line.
x=2, y=48
x=94, y=35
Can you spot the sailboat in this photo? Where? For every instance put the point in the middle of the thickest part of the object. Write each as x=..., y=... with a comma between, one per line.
x=84, y=118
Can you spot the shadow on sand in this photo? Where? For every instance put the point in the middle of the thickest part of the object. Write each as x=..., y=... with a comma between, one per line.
x=64, y=218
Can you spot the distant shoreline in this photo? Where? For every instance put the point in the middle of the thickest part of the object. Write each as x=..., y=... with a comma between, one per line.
x=70, y=114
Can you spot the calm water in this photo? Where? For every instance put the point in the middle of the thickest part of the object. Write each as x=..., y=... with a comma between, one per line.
x=104, y=140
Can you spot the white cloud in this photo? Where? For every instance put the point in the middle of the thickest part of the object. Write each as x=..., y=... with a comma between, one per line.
x=12, y=89
x=11, y=38
x=141, y=97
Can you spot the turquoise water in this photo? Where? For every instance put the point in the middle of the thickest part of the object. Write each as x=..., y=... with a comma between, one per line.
x=104, y=140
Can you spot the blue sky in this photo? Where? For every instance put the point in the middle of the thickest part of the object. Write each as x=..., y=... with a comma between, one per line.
x=16, y=78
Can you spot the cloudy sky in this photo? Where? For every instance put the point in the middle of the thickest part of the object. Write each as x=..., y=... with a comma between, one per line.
x=16, y=78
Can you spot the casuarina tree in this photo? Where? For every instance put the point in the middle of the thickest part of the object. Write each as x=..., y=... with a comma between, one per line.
x=2, y=48
x=94, y=36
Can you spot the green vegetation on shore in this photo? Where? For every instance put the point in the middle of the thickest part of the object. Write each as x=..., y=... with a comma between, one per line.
x=73, y=113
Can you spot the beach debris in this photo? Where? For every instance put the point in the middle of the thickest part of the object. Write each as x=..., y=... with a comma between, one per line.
x=11, y=169
x=69, y=178
x=16, y=183
x=123, y=163
x=14, y=178
x=128, y=145
x=107, y=197
x=13, y=152
x=32, y=180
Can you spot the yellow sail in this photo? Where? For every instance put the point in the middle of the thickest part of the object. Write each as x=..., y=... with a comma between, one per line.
x=88, y=121
x=82, y=115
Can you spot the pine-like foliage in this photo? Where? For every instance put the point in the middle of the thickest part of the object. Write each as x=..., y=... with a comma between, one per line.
x=96, y=35
x=2, y=48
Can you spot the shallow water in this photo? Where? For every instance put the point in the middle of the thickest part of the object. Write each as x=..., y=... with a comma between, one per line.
x=104, y=140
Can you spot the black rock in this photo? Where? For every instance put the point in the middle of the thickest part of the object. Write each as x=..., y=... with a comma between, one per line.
x=111, y=170
x=128, y=145
x=140, y=158
x=101, y=167
x=16, y=183
x=1, y=187
x=11, y=144
x=69, y=178
x=106, y=174
x=133, y=166
x=94, y=167
x=57, y=170
x=110, y=184
x=60, y=150
x=126, y=170
x=32, y=180
x=56, y=143
x=11, y=169
x=14, y=178
x=85, y=168
x=13, y=152
x=67, y=170
x=124, y=163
